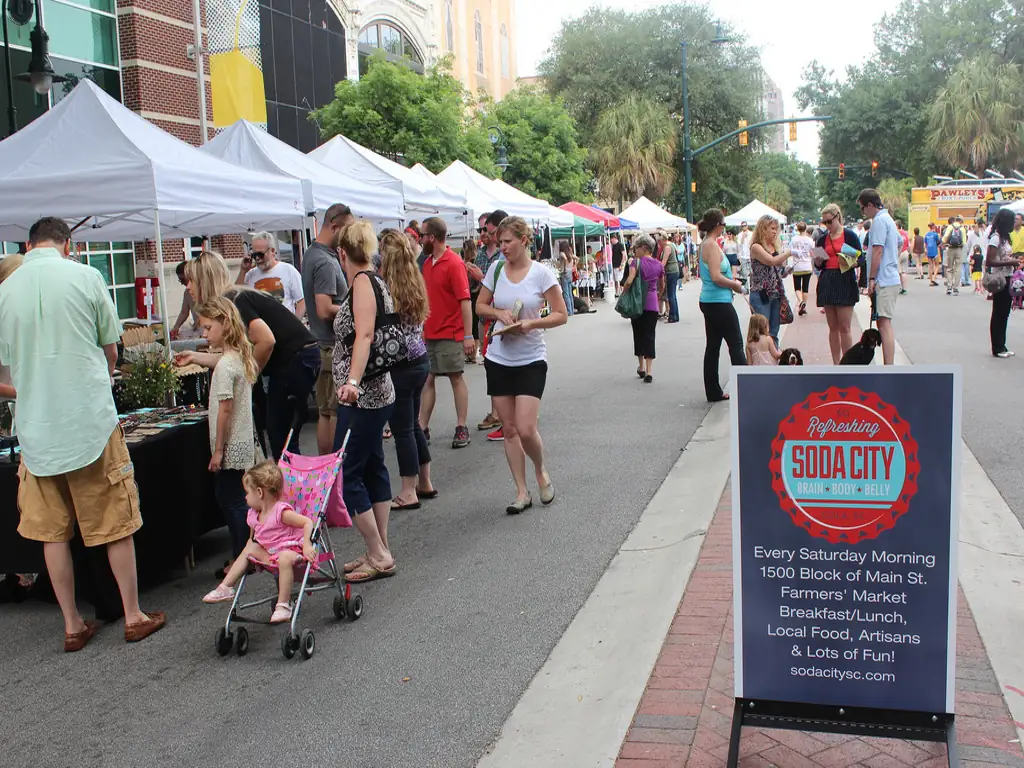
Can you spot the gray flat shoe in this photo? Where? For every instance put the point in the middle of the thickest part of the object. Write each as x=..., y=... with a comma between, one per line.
x=547, y=493
x=518, y=506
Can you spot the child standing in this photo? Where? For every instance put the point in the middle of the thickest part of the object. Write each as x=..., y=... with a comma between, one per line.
x=976, y=266
x=232, y=438
x=280, y=537
x=761, y=349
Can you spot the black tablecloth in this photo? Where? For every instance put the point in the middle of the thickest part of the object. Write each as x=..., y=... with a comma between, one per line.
x=175, y=495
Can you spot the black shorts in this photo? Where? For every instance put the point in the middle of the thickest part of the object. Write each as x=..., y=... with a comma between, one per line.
x=802, y=282
x=516, y=380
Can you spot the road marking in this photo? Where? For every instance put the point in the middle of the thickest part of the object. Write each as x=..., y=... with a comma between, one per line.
x=578, y=707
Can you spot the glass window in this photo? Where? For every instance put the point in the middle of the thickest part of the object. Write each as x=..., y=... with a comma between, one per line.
x=80, y=34
x=101, y=263
x=116, y=263
x=449, y=27
x=504, y=52
x=411, y=52
x=107, y=6
x=369, y=36
x=124, y=267
x=124, y=302
x=390, y=39
x=27, y=102
x=478, y=36
x=107, y=79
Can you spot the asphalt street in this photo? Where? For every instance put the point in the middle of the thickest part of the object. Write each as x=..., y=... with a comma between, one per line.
x=443, y=650
x=934, y=328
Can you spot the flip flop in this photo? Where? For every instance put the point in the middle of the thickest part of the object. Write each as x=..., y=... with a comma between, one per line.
x=426, y=494
x=369, y=572
x=352, y=565
x=398, y=506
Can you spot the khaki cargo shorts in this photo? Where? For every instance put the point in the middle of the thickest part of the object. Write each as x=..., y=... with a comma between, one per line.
x=326, y=392
x=446, y=356
x=102, y=498
x=885, y=300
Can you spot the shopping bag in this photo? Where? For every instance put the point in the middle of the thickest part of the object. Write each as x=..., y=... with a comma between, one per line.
x=631, y=302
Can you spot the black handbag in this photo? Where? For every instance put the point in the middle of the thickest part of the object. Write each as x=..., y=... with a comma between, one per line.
x=390, y=346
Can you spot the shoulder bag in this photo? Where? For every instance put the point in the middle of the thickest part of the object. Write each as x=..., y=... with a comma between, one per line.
x=389, y=347
x=631, y=302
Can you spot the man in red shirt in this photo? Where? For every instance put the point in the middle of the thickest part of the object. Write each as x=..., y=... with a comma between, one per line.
x=448, y=330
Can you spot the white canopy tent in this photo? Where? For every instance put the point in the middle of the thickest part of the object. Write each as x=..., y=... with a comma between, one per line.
x=650, y=216
x=751, y=212
x=560, y=219
x=249, y=146
x=523, y=201
x=1016, y=207
x=423, y=197
x=115, y=175
x=487, y=194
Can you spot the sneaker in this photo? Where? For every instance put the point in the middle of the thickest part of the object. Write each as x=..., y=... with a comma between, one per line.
x=949, y=291
x=461, y=439
x=903, y=291
x=496, y=436
x=932, y=283
x=1004, y=354
x=489, y=422
x=282, y=613
x=956, y=291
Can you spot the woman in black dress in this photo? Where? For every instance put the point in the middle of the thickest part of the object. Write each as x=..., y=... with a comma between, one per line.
x=837, y=290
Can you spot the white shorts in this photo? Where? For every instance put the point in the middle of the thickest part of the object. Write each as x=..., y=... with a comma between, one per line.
x=619, y=273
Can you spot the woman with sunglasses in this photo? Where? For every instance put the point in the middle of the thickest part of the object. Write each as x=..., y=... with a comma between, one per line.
x=285, y=350
x=837, y=290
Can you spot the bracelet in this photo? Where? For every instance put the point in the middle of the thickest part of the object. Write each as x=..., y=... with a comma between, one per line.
x=467, y=338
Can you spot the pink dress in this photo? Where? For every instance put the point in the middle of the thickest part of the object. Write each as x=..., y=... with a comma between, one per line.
x=274, y=535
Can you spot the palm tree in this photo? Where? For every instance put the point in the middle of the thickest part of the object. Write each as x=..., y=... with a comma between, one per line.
x=975, y=119
x=633, y=149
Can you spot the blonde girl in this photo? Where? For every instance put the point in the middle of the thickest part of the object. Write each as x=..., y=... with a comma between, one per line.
x=761, y=349
x=232, y=446
x=405, y=281
x=766, y=260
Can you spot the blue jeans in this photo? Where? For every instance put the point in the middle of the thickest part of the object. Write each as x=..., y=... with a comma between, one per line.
x=566, y=283
x=410, y=442
x=230, y=495
x=364, y=473
x=770, y=309
x=287, y=395
x=671, y=282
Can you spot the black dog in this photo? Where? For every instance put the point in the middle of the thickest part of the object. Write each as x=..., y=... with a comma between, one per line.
x=791, y=356
x=863, y=352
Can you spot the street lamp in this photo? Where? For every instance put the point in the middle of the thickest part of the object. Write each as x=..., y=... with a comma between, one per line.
x=718, y=39
x=40, y=71
x=497, y=137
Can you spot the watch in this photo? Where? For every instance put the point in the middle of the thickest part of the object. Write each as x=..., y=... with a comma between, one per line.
x=353, y=383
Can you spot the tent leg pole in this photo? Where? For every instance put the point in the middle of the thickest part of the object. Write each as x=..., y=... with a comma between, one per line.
x=164, y=315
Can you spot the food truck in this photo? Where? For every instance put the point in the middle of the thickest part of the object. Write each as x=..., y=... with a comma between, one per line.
x=970, y=198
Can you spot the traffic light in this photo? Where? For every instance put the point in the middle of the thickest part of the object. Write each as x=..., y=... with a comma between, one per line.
x=842, y=170
x=792, y=131
x=743, y=136
x=874, y=168
x=693, y=187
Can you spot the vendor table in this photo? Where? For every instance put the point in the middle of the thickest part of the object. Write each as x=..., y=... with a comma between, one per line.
x=175, y=495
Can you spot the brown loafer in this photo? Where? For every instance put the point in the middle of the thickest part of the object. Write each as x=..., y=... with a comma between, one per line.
x=143, y=629
x=76, y=641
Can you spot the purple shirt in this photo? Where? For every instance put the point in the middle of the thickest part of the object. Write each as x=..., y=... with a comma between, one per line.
x=651, y=270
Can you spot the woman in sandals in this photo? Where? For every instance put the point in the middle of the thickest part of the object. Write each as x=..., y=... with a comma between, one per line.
x=516, y=358
x=364, y=404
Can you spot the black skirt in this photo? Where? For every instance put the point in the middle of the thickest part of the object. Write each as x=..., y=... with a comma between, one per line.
x=516, y=380
x=837, y=289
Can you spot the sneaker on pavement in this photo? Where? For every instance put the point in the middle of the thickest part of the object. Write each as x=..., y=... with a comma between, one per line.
x=461, y=439
x=497, y=435
x=489, y=422
x=949, y=291
x=956, y=291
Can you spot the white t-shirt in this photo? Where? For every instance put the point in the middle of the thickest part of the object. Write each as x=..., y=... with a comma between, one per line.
x=282, y=281
x=530, y=347
x=801, y=247
x=743, y=240
x=229, y=383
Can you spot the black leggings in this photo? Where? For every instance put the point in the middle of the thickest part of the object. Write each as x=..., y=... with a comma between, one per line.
x=802, y=283
x=720, y=323
x=644, y=328
x=1000, y=316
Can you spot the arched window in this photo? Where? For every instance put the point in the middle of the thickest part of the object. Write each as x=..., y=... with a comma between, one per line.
x=505, y=71
x=478, y=35
x=394, y=41
x=449, y=27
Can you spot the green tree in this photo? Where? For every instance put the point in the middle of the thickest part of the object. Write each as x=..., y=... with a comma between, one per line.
x=404, y=115
x=895, y=194
x=975, y=120
x=776, y=195
x=800, y=200
x=634, y=148
x=544, y=154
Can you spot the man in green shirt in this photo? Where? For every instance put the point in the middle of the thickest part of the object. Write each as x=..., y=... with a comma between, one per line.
x=58, y=334
x=671, y=264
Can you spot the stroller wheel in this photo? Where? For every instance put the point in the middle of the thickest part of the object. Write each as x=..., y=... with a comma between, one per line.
x=355, y=607
x=223, y=642
x=340, y=608
x=307, y=644
x=242, y=641
x=288, y=644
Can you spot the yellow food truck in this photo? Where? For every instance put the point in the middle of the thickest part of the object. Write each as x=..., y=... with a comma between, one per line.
x=972, y=199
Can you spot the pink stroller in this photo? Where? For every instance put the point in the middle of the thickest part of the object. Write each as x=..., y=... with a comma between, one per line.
x=313, y=487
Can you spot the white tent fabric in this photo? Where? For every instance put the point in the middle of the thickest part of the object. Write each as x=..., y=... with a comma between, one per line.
x=560, y=219
x=485, y=195
x=91, y=157
x=751, y=212
x=250, y=146
x=650, y=216
x=423, y=197
x=1016, y=207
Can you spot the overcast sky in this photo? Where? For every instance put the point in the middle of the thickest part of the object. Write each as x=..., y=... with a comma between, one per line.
x=790, y=34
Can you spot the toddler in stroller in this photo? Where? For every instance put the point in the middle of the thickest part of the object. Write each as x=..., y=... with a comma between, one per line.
x=1017, y=290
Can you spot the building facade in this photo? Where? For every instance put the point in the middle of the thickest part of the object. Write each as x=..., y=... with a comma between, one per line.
x=774, y=108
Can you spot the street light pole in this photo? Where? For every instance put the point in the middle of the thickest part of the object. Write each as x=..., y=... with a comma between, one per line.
x=12, y=111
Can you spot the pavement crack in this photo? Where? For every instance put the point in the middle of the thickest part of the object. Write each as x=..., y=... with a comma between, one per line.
x=1016, y=555
x=687, y=537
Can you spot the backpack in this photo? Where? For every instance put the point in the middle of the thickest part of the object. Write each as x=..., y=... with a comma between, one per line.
x=956, y=237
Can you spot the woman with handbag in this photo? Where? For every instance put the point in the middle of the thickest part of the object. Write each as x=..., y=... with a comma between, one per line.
x=717, y=289
x=513, y=294
x=645, y=266
x=767, y=293
x=837, y=290
x=999, y=265
x=366, y=401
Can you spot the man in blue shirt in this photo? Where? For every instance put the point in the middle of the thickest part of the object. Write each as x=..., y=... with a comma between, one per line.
x=884, y=266
x=931, y=249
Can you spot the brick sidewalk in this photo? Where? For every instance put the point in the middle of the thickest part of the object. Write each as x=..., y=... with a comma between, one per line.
x=684, y=718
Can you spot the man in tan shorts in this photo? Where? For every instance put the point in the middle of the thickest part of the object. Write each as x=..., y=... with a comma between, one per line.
x=75, y=464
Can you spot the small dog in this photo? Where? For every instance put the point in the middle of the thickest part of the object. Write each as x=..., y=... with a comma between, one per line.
x=863, y=352
x=791, y=356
